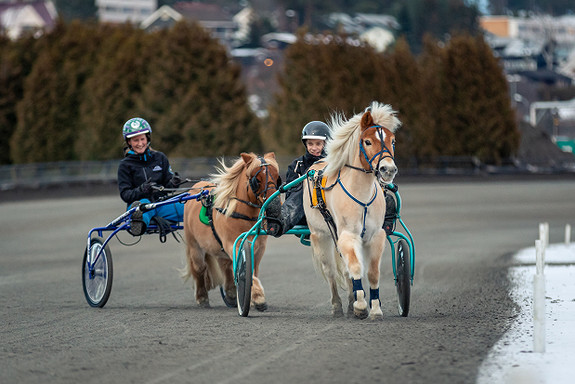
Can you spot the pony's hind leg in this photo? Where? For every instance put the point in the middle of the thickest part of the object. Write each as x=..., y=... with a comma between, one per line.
x=336, y=306
x=197, y=268
x=323, y=256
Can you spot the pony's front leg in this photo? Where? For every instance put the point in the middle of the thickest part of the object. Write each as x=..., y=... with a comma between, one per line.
x=226, y=266
x=374, y=253
x=258, y=297
x=350, y=250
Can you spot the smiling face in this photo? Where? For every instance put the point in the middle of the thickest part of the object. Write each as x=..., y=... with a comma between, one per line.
x=138, y=143
x=315, y=146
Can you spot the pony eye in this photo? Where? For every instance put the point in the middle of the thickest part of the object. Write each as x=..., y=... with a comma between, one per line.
x=367, y=142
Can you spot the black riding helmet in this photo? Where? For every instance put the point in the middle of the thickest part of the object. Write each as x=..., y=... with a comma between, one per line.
x=315, y=130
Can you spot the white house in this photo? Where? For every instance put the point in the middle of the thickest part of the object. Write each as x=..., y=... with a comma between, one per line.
x=30, y=17
x=121, y=11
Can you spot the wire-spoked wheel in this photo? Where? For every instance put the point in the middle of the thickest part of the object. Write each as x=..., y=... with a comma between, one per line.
x=403, y=277
x=244, y=279
x=97, y=277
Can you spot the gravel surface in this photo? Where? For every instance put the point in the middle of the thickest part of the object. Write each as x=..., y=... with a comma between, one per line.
x=151, y=331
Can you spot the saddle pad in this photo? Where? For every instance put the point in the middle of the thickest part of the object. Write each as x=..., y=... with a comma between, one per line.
x=314, y=196
x=204, y=215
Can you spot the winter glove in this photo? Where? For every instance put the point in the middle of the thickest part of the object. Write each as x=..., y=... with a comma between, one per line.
x=148, y=187
x=176, y=180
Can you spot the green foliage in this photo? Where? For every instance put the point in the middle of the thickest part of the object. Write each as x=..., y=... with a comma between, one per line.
x=16, y=60
x=318, y=77
x=437, y=18
x=110, y=95
x=195, y=97
x=66, y=95
x=452, y=101
x=48, y=112
x=85, y=81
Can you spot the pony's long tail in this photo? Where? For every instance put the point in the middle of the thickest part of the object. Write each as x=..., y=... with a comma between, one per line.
x=213, y=275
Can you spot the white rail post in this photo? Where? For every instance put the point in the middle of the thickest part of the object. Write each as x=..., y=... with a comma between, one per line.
x=567, y=234
x=544, y=237
x=539, y=299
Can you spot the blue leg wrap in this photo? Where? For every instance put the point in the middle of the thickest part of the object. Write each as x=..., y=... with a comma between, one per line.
x=356, y=286
x=373, y=295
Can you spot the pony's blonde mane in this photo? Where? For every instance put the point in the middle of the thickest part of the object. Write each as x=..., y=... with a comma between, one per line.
x=344, y=144
x=228, y=179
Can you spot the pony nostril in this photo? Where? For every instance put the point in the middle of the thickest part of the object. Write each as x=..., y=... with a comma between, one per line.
x=389, y=169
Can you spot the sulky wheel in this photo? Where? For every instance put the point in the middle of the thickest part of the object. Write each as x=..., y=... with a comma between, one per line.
x=244, y=279
x=403, y=279
x=97, y=279
x=230, y=303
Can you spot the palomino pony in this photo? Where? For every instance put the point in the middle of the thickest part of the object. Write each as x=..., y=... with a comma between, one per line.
x=238, y=193
x=360, y=159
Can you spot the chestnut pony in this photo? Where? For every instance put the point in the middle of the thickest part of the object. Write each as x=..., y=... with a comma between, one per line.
x=360, y=159
x=238, y=193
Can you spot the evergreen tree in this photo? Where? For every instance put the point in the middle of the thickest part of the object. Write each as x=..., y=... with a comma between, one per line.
x=320, y=76
x=428, y=141
x=48, y=113
x=110, y=93
x=400, y=80
x=194, y=97
x=476, y=118
x=16, y=60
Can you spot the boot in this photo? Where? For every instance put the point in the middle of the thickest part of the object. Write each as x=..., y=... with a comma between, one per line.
x=291, y=214
x=390, y=214
x=137, y=225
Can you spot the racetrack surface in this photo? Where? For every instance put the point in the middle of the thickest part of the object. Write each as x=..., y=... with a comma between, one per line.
x=151, y=330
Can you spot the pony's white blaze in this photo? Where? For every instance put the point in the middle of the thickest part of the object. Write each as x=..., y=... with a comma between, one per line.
x=382, y=135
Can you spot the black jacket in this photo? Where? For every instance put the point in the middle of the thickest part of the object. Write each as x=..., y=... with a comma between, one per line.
x=297, y=168
x=134, y=170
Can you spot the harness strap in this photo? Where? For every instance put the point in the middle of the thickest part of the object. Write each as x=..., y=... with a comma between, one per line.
x=236, y=215
x=319, y=187
x=208, y=202
x=364, y=205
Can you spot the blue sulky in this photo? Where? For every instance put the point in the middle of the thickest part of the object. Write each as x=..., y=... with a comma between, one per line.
x=97, y=269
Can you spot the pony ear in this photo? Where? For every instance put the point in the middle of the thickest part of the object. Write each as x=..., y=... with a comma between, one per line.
x=247, y=157
x=270, y=155
x=366, y=119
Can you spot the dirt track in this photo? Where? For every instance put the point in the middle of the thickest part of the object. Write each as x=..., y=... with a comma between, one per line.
x=151, y=331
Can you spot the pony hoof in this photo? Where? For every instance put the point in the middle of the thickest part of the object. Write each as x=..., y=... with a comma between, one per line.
x=376, y=313
x=337, y=312
x=261, y=306
x=360, y=306
x=361, y=314
x=204, y=304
